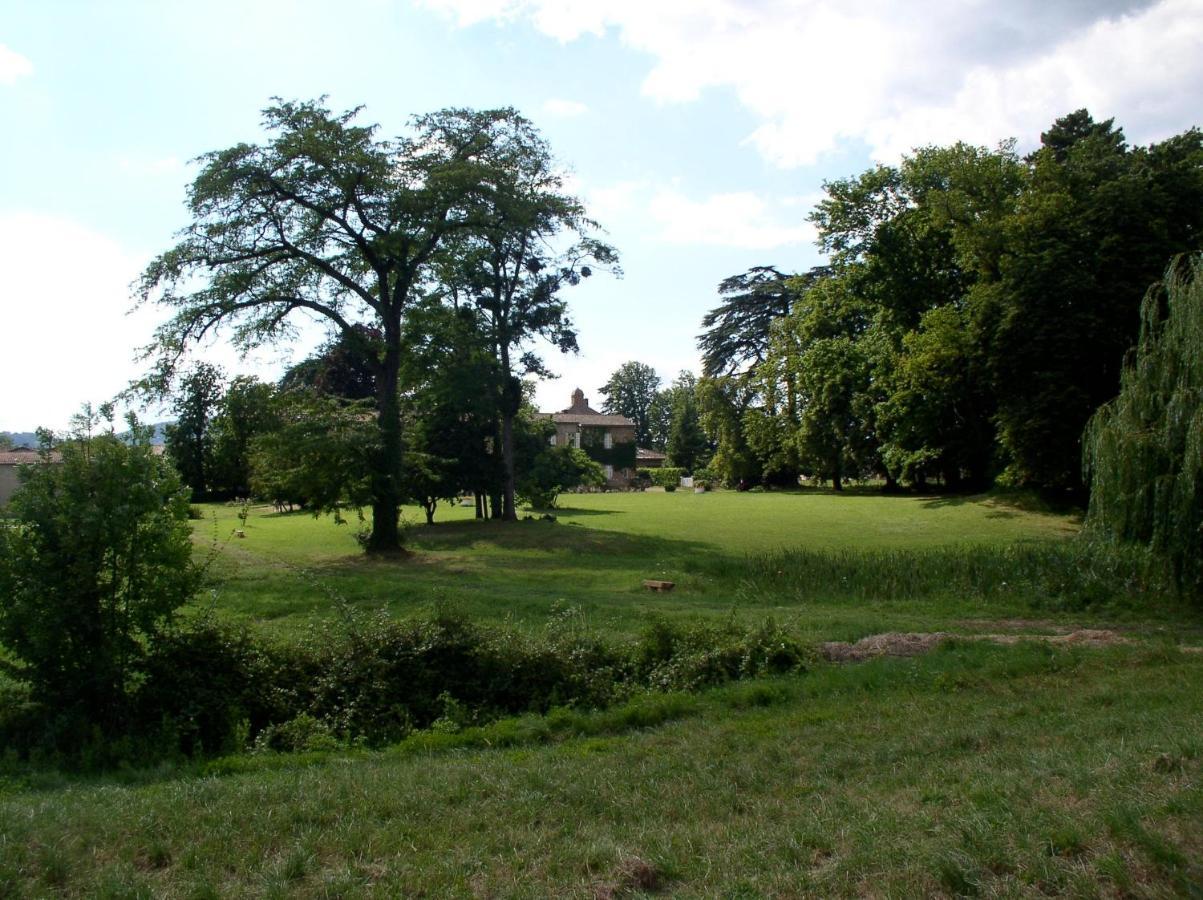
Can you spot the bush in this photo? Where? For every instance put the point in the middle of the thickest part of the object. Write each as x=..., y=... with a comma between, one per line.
x=211, y=689
x=555, y=470
x=667, y=477
x=98, y=560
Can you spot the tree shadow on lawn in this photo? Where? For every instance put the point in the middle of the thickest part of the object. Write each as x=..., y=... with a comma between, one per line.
x=544, y=535
x=574, y=512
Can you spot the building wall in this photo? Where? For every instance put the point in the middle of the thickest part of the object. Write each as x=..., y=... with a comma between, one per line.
x=572, y=433
x=8, y=482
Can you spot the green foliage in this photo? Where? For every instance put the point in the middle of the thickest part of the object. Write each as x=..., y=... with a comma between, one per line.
x=687, y=445
x=554, y=470
x=246, y=411
x=631, y=391
x=736, y=334
x=378, y=679
x=974, y=315
x=1091, y=232
x=619, y=455
x=98, y=560
x=667, y=477
x=189, y=440
x=1144, y=449
x=320, y=456
x=325, y=219
x=722, y=404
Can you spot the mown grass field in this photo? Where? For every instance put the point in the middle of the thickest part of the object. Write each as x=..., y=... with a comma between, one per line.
x=292, y=569
x=1030, y=769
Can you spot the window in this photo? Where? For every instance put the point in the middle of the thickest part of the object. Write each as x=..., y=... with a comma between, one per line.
x=575, y=439
x=608, y=442
x=552, y=440
x=609, y=470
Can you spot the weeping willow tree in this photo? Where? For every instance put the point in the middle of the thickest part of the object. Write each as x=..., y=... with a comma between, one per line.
x=1143, y=451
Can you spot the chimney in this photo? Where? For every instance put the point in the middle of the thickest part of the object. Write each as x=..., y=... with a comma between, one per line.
x=580, y=403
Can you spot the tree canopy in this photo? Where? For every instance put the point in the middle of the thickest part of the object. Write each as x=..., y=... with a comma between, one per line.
x=326, y=219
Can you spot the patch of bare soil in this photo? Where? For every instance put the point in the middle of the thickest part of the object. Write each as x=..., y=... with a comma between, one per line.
x=894, y=643
x=913, y=644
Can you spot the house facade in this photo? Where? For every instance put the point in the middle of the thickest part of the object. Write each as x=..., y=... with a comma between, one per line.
x=610, y=440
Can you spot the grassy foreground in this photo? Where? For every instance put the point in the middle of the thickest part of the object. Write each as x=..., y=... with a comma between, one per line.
x=1019, y=770
x=978, y=769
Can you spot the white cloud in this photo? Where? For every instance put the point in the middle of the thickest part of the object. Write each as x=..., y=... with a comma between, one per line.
x=565, y=108
x=13, y=66
x=818, y=73
x=67, y=334
x=740, y=219
x=610, y=202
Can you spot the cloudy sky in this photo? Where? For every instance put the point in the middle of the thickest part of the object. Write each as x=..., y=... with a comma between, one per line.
x=699, y=133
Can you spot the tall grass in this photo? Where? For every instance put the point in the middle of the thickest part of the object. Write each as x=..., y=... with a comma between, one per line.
x=1069, y=575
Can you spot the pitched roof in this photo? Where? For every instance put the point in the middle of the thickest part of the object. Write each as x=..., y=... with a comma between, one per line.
x=642, y=453
x=20, y=457
x=590, y=418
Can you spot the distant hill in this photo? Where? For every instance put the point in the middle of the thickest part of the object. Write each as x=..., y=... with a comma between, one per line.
x=30, y=438
x=21, y=438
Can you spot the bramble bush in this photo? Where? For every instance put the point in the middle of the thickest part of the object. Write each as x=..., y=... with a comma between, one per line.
x=211, y=688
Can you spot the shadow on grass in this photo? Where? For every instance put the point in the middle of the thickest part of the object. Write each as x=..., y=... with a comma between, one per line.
x=536, y=545
x=576, y=511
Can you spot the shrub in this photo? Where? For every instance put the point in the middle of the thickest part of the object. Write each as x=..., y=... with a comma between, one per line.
x=213, y=689
x=667, y=477
x=97, y=562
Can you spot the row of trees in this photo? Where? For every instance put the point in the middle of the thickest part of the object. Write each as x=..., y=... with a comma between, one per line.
x=451, y=243
x=309, y=441
x=975, y=312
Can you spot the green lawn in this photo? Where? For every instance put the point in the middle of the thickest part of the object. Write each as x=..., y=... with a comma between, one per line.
x=293, y=569
x=1030, y=769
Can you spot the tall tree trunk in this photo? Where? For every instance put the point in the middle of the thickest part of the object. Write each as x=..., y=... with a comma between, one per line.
x=508, y=511
x=386, y=474
x=480, y=504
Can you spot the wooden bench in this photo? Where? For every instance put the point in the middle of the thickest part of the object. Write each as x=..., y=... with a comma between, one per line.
x=653, y=585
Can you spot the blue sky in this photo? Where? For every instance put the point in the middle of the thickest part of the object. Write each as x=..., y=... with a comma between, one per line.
x=698, y=132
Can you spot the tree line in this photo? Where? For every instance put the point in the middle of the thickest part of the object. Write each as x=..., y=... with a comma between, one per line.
x=974, y=313
x=307, y=442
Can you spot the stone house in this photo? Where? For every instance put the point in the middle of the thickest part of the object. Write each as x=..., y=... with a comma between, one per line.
x=608, y=439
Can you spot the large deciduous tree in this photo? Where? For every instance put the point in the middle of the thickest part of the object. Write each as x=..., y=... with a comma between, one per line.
x=1092, y=231
x=631, y=392
x=328, y=220
x=534, y=241
x=190, y=438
